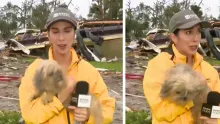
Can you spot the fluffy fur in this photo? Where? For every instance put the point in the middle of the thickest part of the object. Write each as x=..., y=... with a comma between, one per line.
x=48, y=80
x=182, y=84
x=96, y=110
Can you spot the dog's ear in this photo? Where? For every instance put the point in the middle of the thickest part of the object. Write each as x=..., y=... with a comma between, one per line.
x=165, y=89
x=38, y=78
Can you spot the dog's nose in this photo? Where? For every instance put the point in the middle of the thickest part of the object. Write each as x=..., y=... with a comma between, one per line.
x=184, y=98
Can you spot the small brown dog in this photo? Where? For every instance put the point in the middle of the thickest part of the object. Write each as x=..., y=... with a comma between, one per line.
x=182, y=84
x=48, y=81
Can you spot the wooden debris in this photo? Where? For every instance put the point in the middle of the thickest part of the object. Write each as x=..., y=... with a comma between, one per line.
x=115, y=92
x=9, y=98
x=127, y=94
x=127, y=109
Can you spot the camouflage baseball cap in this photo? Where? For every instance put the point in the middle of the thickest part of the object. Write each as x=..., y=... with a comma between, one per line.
x=61, y=14
x=185, y=19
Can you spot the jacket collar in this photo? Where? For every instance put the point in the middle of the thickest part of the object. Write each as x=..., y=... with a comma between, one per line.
x=75, y=59
x=182, y=59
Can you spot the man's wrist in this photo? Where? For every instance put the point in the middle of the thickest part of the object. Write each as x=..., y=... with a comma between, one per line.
x=88, y=115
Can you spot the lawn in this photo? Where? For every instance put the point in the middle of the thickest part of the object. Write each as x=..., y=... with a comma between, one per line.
x=9, y=117
x=114, y=66
x=212, y=61
x=29, y=59
x=138, y=117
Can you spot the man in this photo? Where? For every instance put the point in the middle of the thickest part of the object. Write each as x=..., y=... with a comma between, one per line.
x=61, y=26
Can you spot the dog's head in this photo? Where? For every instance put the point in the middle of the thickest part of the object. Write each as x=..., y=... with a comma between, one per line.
x=51, y=76
x=181, y=84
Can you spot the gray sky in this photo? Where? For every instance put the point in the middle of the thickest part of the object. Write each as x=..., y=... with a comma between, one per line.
x=83, y=5
x=212, y=5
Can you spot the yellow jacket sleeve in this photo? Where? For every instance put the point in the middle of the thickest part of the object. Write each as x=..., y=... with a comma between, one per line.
x=35, y=112
x=163, y=110
x=216, y=86
x=108, y=103
x=216, y=83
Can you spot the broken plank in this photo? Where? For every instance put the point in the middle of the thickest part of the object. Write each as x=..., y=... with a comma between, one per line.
x=9, y=98
x=127, y=94
x=127, y=109
x=114, y=92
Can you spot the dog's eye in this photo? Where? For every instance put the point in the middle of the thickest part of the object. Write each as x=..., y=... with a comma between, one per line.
x=178, y=92
x=51, y=74
x=57, y=79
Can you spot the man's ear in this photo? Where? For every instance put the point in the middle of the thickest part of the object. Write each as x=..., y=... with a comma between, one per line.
x=50, y=41
x=74, y=34
x=48, y=33
x=173, y=38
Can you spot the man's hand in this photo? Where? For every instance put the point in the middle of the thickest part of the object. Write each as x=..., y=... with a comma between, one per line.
x=80, y=114
x=207, y=120
x=64, y=94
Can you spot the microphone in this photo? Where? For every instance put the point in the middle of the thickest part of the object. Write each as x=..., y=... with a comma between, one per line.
x=211, y=109
x=213, y=98
x=81, y=98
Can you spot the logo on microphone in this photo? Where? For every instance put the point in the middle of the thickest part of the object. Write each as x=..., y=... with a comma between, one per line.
x=215, y=112
x=206, y=110
x=84, y=101
x=74, y=99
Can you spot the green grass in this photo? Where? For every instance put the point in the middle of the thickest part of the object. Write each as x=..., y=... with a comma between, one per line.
x=213, y=61
x=115, y=66
x=9, y=117
x=29, y=59
x=140, y=117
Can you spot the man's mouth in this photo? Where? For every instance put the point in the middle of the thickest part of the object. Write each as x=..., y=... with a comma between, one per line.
x=193, y=48
x=62, y=46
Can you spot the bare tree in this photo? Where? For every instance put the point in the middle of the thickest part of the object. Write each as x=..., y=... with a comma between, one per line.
x=200, y=3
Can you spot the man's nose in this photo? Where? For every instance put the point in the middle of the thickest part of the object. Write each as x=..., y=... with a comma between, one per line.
x=197, y=38
x=61, y=37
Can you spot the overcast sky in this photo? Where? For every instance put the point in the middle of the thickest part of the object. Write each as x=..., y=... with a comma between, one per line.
x=212, y=5
x=83, y=5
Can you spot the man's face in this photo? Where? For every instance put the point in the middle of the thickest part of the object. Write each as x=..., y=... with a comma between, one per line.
x=61, y=36
x=187, y=40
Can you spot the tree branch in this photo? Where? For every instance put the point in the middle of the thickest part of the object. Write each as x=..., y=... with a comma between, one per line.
x=200, y=3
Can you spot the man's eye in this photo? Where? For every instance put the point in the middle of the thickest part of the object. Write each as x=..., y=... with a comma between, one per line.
x=67, y=31
x=188, y=32
x=55, y=32
x=199, y=31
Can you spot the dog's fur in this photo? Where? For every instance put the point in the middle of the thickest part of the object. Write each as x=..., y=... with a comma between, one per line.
x=182, y=84
x=96, y=110
x=49, y=80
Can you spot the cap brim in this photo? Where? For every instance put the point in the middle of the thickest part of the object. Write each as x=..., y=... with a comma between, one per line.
x=203, y=24
x=59, y=19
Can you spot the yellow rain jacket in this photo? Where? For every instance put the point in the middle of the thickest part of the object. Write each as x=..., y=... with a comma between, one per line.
x=54, y=113
x=164, y=112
